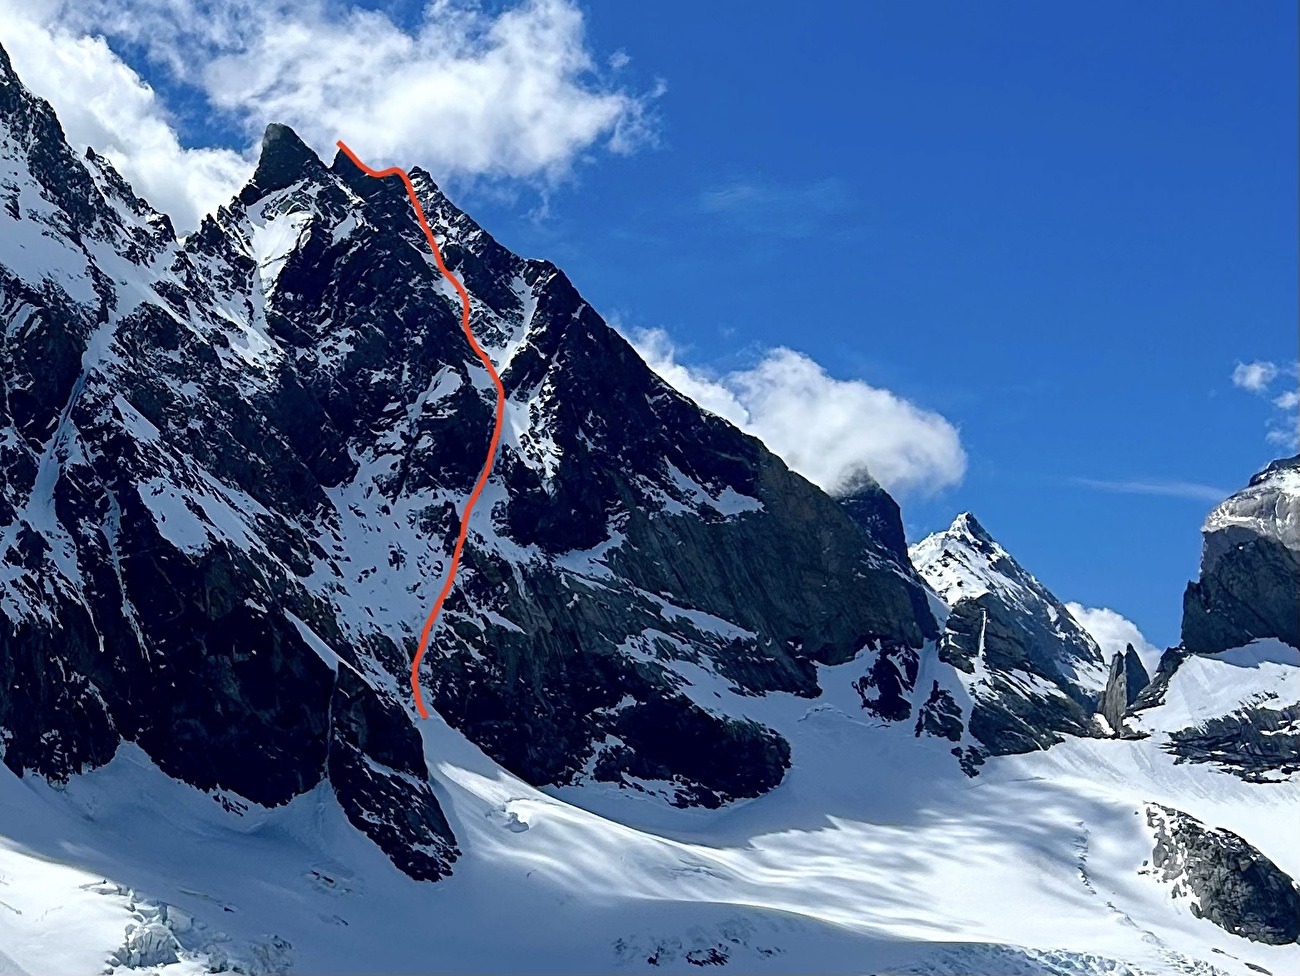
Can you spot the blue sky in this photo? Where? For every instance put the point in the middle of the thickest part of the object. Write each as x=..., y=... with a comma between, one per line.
x=1061, y=231
x=1060, y=228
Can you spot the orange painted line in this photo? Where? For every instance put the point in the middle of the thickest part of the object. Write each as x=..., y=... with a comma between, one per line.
x=496, y=430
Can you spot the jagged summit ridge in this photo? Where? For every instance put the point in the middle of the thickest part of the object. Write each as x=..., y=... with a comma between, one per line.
x=965, y=560
x=967, y=524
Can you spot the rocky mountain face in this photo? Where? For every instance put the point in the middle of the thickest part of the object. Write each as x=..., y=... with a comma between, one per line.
x=1249, y=585
x=231, y=467
x=1032, y=672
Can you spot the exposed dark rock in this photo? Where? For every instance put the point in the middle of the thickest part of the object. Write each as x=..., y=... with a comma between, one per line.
x=885, y=688
x=1040, y=673
x=1017, y=707
x=874, y=511
x=284, y=160
x=940, y=715
x=1135, y=675
x=1153, y=694
x=970, y=759
x=711, y=759
x=377, y=768
x=1233, y=885
x=1259, y=744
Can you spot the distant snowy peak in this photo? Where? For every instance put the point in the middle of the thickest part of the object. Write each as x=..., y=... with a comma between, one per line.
x=957, y=562
x=965, y=561
x=1034, y=672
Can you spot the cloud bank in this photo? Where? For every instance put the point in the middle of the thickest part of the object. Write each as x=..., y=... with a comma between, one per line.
x=512, y=95
x=833, y=432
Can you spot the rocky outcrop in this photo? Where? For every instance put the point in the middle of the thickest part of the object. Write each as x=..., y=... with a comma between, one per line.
x=1124, y=684
x=940, y=715
x=1225, y=879
x=1032, y=673
x=377, y=767
x=1260, y=744
x=1250, y=565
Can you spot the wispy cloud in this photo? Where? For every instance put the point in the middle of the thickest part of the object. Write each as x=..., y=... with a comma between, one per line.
x=1282, y=426
x=102, y=102
x=788, y=209
x=1156, y=486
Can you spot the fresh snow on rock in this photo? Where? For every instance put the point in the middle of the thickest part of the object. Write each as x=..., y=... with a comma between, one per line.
x=1268, y=506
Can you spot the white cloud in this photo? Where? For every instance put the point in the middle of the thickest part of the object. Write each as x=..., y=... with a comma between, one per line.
x=1258, y=377
x=464, y=93
x=102, y=102
x=798, y=209
x=1113, y=631
x=1255, y=376
x=1156, y=486
x=512, y=95
x=1287, y=438
x=831, y=431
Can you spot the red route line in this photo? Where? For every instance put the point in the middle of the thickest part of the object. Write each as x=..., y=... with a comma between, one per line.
x=496, y=430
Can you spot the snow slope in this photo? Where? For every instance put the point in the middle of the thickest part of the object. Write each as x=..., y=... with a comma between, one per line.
x=896, y=862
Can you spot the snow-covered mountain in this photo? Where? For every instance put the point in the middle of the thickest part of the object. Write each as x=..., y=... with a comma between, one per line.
x=233, y=470
x=1032, y=672
x=688, y=709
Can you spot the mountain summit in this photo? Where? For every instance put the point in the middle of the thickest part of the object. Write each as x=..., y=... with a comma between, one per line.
x=1031, y=670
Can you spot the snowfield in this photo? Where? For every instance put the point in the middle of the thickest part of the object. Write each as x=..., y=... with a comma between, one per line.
x=893, y=861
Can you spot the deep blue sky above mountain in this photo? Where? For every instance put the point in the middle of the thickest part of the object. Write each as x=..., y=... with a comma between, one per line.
x=1069, y=232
